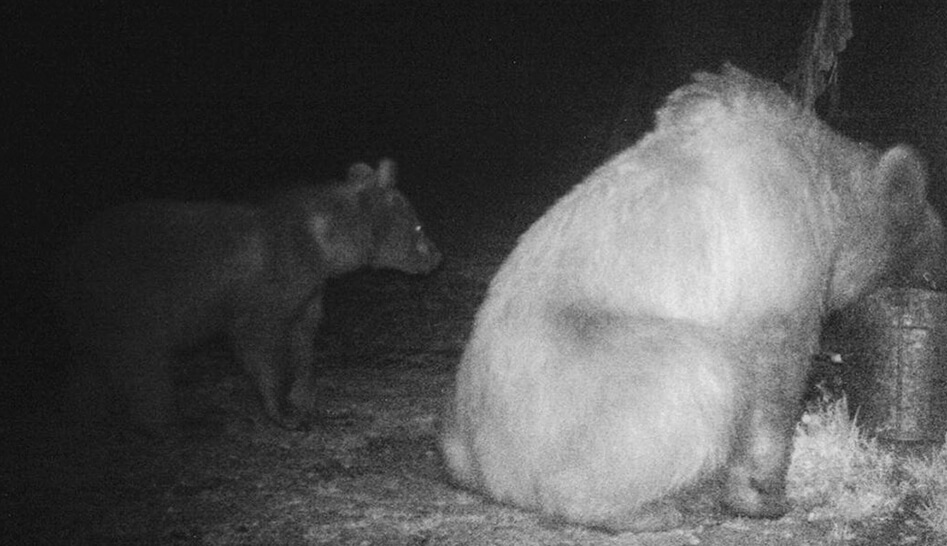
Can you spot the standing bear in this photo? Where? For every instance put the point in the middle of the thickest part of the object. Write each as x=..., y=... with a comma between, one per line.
x=650, y=336
x=148, y=281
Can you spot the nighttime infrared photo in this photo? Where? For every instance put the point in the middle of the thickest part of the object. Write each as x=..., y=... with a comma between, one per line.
x=580, y=272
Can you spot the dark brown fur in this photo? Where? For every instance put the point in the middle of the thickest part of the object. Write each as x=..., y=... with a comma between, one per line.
x=147, y=281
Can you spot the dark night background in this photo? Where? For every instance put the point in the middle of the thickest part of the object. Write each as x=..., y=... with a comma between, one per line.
x=479, y=102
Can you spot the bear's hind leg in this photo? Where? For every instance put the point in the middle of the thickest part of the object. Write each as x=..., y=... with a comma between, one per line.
x=573, y=496
x=657, y=516
x=260, y=348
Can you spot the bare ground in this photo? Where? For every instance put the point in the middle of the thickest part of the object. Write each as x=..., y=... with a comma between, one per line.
x=369, y=473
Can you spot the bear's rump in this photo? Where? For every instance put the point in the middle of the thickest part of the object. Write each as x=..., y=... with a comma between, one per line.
x=625, y=413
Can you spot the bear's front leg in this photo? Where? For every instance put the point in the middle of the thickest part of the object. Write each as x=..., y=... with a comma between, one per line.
x=756, y=473
x=755, y=477
x=301, y=364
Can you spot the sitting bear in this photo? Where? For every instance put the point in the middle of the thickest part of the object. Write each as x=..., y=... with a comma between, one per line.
x=651, y=334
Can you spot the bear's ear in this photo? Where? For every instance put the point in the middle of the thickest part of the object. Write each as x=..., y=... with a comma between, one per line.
x=359, y=171
x=903, y=174
x=360, y=177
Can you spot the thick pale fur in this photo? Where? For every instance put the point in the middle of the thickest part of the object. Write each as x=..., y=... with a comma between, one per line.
x=652, y=332
x=149, y=281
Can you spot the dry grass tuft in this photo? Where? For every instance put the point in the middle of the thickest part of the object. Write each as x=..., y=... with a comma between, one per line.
x=929, y=480
x=837, y=473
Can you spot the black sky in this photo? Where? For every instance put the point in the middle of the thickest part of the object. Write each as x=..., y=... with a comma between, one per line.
x=109, y=102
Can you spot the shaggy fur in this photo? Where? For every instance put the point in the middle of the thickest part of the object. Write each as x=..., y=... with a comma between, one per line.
x=150, y=280
x=651, y=334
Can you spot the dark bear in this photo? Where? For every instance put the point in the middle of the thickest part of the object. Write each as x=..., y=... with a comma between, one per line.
x=148, y=281
x=650, y=336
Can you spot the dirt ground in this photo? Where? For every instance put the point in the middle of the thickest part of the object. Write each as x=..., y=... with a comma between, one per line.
x=368, y=474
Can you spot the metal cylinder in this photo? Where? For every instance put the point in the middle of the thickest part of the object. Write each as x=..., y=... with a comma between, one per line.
x=894, y=347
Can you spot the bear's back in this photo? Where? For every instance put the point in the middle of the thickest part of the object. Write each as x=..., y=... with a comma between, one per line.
x=718, y=214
